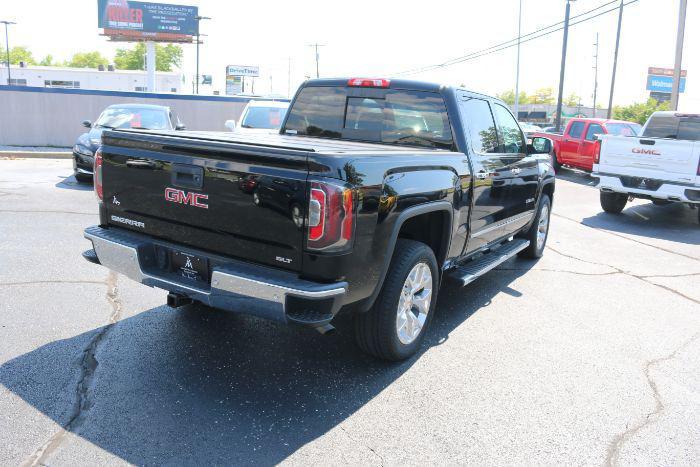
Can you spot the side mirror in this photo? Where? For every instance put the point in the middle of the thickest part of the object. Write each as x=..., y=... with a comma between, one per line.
x=230, y=124
x=180, y=126
x=87, y=123
x=540, y=145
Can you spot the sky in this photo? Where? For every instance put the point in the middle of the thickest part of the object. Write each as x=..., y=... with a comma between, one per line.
x=382, y=38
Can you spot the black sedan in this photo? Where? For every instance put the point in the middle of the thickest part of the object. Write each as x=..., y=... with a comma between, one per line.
x=150, y=117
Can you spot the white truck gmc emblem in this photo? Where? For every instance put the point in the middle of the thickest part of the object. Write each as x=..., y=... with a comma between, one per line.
x=193, y=199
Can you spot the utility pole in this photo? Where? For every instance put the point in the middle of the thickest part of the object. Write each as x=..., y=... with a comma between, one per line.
x=679, y=55
x=289, y=77
x=560, y=98
x=7, y=43
x=517, y=64
x=198, y=18
x=316, y=46
x=595, y=76
x=617, y=48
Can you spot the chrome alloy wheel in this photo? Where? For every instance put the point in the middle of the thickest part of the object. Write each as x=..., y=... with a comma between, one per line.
x=414, y=303
x=542, y=226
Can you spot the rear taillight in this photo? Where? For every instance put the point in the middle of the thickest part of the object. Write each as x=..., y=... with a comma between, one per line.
x=369, y=83
x=331, y=217
x=596, y=152
x=97, y=173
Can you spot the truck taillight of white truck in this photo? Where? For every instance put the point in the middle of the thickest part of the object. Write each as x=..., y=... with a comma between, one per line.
x=662, y=164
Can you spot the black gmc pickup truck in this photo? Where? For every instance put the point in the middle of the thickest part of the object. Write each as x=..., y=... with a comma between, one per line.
x=372, y=194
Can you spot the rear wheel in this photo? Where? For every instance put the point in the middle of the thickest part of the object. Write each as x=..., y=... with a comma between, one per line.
x=395, y=326
x=83, y=178
x=613, y=203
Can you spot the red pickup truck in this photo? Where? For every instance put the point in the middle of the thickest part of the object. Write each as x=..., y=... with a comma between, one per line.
x=576, y=146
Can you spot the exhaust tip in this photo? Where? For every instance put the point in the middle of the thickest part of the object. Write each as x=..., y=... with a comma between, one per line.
x=326, y=329
x=176, y=300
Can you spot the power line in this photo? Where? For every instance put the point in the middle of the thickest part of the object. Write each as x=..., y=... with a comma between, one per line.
x=513, y=42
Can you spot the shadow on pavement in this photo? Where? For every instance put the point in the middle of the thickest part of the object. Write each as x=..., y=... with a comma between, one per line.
x=673, y=222
x=579, y=177
x=70, y=183
x=200, y=386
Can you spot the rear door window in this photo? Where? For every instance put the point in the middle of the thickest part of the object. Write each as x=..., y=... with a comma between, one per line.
x=482, y=129
x=415, y=118
x=576, y=130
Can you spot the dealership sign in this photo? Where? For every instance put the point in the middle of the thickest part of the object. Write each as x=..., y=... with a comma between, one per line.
x=658, y=83
x=240, y=70
x=131, y=20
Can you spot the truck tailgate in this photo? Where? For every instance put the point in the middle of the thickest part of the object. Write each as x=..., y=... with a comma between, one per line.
x=243, y=200
x=664, y=159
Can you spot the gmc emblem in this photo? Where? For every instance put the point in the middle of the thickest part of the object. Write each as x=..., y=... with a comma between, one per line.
x=646, y=151
x=193, y=199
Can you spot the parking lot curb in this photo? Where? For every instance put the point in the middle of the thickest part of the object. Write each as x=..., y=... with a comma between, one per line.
x=35, y=155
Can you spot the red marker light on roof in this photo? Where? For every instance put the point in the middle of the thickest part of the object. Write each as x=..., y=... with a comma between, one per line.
x=369, y=83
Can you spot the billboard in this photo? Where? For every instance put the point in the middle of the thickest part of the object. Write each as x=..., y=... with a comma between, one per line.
x=659, y=83
x=234, y=85
x=242, y=70
x=133, y=21
x=653, y=70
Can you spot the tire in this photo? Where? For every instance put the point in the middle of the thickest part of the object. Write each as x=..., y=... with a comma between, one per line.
x=377, y=331
x=555, y=162
x=613, y=203
x=539, y=230
x=83, y=178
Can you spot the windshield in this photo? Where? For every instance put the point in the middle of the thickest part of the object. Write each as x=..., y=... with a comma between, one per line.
x=127, y=117
x=623, y=129
x=264, y=117
x=415, y=118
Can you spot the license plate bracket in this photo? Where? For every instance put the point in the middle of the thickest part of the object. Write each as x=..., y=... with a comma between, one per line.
x=189, y=266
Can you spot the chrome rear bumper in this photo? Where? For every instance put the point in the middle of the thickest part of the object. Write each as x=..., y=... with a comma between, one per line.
x=234, y=285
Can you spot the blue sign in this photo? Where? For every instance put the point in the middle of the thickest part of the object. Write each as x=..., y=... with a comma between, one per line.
x=146, y=19
x=658, y=83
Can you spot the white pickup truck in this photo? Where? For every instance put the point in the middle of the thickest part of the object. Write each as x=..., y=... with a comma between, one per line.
x=661, y=165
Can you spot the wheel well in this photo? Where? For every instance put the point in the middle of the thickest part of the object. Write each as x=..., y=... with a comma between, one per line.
x=548, y=189
x=430, y=228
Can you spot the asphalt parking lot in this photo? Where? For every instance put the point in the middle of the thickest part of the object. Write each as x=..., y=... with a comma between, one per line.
x=589, y=356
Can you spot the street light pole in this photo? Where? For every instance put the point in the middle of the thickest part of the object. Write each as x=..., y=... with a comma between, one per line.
x=595, y=77
x=196, y=79
x=7, y=43
x=679, y=56
x=316, y=46
x=517, y=65
x=614, y=70
x=560, y=98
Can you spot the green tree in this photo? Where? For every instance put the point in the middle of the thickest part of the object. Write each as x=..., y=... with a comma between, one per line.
x=18, y=54
x=167, y=57
x=87, y=60
x=48, y=61
x=509, y=97
x=572, y=100
x=543, y=96
x=640, y=111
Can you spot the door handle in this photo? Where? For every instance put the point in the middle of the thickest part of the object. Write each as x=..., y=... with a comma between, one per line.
x=141, y=164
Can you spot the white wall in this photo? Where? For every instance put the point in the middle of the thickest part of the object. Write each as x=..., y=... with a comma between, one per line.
x=120, y=80
x=52, y=117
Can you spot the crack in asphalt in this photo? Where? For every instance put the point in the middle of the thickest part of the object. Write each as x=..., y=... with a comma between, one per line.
x=88, y=365
x=562, y=271
x=626, y=238
x=619, y=440
x=627, y=273
x=16, y=211
x=372, y=450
